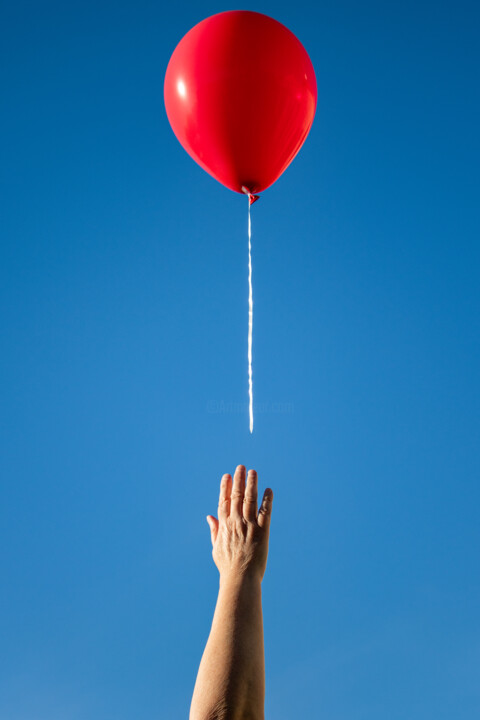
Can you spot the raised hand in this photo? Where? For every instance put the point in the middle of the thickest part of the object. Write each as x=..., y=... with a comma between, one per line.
x=240, y=534
x=231, y=677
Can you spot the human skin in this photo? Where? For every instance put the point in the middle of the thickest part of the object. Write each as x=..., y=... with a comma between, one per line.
x=231, y=678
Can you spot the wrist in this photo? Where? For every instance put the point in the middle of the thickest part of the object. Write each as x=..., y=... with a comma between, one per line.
x=237, y=578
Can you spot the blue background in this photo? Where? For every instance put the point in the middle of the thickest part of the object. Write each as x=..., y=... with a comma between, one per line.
x=123, y=301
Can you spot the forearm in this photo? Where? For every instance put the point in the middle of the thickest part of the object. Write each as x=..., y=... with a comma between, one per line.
x=231, y=679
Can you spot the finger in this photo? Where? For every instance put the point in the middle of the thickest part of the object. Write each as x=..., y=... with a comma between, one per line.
x=265, y=511
x=224, y=499
x=250, y=500
x=238, y=492
x=213, y=525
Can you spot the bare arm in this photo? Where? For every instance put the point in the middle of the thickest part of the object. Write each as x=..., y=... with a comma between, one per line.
x=231, y=677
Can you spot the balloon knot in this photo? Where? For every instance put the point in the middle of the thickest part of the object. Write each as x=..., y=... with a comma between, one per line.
x=251, y=198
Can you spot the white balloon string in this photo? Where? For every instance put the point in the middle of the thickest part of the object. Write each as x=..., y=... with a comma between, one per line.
x=250, y=316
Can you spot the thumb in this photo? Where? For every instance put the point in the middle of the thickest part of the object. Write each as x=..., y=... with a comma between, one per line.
x=213, y=525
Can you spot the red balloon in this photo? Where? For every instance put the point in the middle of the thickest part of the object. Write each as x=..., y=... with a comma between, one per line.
x=240, y=94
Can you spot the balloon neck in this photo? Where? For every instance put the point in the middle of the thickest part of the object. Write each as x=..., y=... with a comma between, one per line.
x=251, y=198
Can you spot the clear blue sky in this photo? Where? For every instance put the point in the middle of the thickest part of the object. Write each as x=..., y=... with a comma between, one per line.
x=123, y=318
